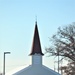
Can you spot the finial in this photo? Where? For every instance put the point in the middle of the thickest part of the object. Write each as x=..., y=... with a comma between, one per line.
x=36, y=20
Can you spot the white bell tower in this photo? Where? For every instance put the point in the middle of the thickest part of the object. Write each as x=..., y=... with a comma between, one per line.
x=36, y=59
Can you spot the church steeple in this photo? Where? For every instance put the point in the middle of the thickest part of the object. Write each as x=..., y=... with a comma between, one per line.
x=36, y=46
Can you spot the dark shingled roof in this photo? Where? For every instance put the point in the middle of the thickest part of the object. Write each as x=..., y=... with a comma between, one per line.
x=36, y=46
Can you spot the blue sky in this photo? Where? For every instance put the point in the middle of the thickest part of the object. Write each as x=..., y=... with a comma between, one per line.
x=17, y=22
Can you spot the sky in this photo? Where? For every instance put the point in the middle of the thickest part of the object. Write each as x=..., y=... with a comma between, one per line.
x=17, y=23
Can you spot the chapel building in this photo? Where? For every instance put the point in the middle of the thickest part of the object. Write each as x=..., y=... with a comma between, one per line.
x=36, y=67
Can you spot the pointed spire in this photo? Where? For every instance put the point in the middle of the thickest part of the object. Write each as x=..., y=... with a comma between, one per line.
x=36, y=46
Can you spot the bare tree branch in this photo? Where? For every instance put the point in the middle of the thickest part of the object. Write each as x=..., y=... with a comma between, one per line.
x=64, y=42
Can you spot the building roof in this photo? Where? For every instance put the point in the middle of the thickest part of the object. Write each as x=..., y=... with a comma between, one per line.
x=36, y=70
x=36, y=46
